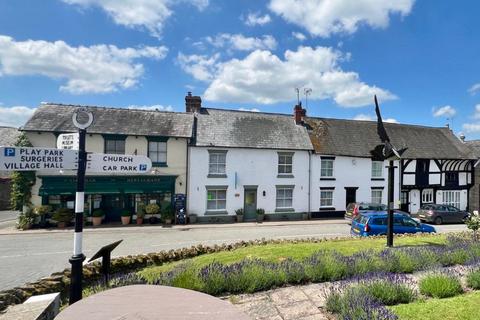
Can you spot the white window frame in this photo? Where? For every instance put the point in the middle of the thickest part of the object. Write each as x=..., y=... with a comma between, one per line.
x=281, y=191
x=287, y=165
x=377, y=172
x=154, y=155
x=427, y=196
x=376, y=194
x=323, y=170
x=217, y=199
x=451, y=198
x=326, y=195
x=217, y=160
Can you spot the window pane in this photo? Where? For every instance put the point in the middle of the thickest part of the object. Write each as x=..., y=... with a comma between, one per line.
x=281, y=159
x=162, y=146
x=221, y=194
x=162, y=157
x=152, y=146
x=211, y=205
x=221, y=204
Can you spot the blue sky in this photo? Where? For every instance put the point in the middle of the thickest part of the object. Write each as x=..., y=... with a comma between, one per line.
x=419, y=57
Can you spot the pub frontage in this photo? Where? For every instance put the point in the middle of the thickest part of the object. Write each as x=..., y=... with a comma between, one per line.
x=112, y=194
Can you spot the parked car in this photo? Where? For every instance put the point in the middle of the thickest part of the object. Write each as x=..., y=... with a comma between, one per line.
x=353, y=209
x=440, y=213
x=375, y=223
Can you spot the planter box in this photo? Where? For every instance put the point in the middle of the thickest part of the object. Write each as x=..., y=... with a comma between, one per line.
x=239, y=217
x=260, y=217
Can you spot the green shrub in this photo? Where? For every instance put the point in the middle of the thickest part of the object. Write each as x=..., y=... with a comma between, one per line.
x=389, y=293
x=473, y=279
x=126, y=213
x=141, y=210
x=25, y=220
x=42, y=210
x=63, y=215
x=457, y=256
x=440, y=286
x=152, y=208
x=98, y=213
x=325, y=266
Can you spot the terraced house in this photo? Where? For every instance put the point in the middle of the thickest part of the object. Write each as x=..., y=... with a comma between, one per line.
x=162, y=136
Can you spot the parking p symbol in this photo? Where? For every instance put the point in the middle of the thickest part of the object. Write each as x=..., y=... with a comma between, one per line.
x=9, y=152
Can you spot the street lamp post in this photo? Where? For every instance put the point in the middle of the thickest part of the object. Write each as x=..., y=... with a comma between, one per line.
x=76, y=276
x=391, y=186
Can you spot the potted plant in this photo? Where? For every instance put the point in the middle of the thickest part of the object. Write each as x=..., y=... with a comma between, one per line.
x=260, y=215
x=192, y=218
x=63, y=216
x=97, y=216
x=140, y=213
x=167, y=215
x=41, y=212
x=239, y=213
x=25, y=219
x=126, y=216
x=152, y=208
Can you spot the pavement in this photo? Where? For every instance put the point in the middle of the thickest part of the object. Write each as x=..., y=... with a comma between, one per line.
x=26, y=256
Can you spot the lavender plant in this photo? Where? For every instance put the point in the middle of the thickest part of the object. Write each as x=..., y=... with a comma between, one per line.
x=440, y=285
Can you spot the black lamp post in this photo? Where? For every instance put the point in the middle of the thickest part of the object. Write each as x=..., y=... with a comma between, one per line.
x=78, y=257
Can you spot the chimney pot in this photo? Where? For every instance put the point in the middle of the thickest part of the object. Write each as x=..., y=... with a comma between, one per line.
x=298, y=113
x=192, y=103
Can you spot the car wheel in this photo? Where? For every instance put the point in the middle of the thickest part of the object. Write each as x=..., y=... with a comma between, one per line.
x=438, y=220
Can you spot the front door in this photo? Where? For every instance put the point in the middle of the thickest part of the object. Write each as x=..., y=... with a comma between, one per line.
x=250, y=205
x=404, y=201
x=113, y=206
x=414, y=201
x=350, y=196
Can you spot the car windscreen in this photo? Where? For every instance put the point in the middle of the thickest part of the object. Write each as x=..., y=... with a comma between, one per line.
x=373, y=207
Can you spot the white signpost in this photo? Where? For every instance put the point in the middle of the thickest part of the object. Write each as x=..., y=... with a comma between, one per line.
x=118, y=163
x=31, y=159
x=69, y=141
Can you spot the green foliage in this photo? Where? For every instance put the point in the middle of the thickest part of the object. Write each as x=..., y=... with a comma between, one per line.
x=25, y=220
x=22, y=181
x=98, y=213
x=260, y=211
x=42, y=210
x=126, y=213
x=473, y=279
x=166, y=213
x=63, y=215
x=473, y=223
x=440, y=286
x=239, y=212
x=141, y=210
x=389, y=293
x=152, y=208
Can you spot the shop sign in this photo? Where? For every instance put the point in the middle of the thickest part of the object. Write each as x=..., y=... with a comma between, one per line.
x=118, y=163
x=69, y=141
x=30, y=159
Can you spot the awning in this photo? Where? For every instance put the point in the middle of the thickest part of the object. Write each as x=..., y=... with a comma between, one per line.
x=108, y=185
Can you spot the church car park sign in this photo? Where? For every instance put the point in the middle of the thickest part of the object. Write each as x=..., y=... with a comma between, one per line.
x=115, y=163
x=30, y=159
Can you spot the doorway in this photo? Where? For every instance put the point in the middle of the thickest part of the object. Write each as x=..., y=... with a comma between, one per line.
x=404, y=201
x=350, y=195
x=250, y=204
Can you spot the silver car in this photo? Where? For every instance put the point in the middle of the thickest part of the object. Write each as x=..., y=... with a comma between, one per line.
x=440, y=213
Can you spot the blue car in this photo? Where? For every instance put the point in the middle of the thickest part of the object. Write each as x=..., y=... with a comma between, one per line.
x=375, y=223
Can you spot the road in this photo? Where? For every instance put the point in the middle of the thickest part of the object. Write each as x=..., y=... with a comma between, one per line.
x=28, y=256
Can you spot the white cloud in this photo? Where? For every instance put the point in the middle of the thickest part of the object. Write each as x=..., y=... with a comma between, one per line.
x=242, y=43
x=299, y=36
x=95, y=69
x=155, y=107
x=471, y=127
x=326, y=17
x=368, y=117
x=250, y=110
x=445, y=111
x=148, y=14
x=254, y=19
x=474, y=89
x=264, y=78
x=15, y=116
x=201, y=67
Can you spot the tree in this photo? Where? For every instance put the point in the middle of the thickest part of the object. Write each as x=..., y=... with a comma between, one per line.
x=473, y=223
x=22, y=181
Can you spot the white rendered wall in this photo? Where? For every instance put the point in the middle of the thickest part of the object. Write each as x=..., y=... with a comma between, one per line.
x=254, y=167
x=350, y=172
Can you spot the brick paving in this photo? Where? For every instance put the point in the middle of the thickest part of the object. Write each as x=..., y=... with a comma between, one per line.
x=290, y=303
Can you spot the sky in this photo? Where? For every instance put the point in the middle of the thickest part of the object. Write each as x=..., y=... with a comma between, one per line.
x=419, y=57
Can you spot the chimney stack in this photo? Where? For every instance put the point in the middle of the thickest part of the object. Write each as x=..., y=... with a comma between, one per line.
x=192, y=103
x=299, y=113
